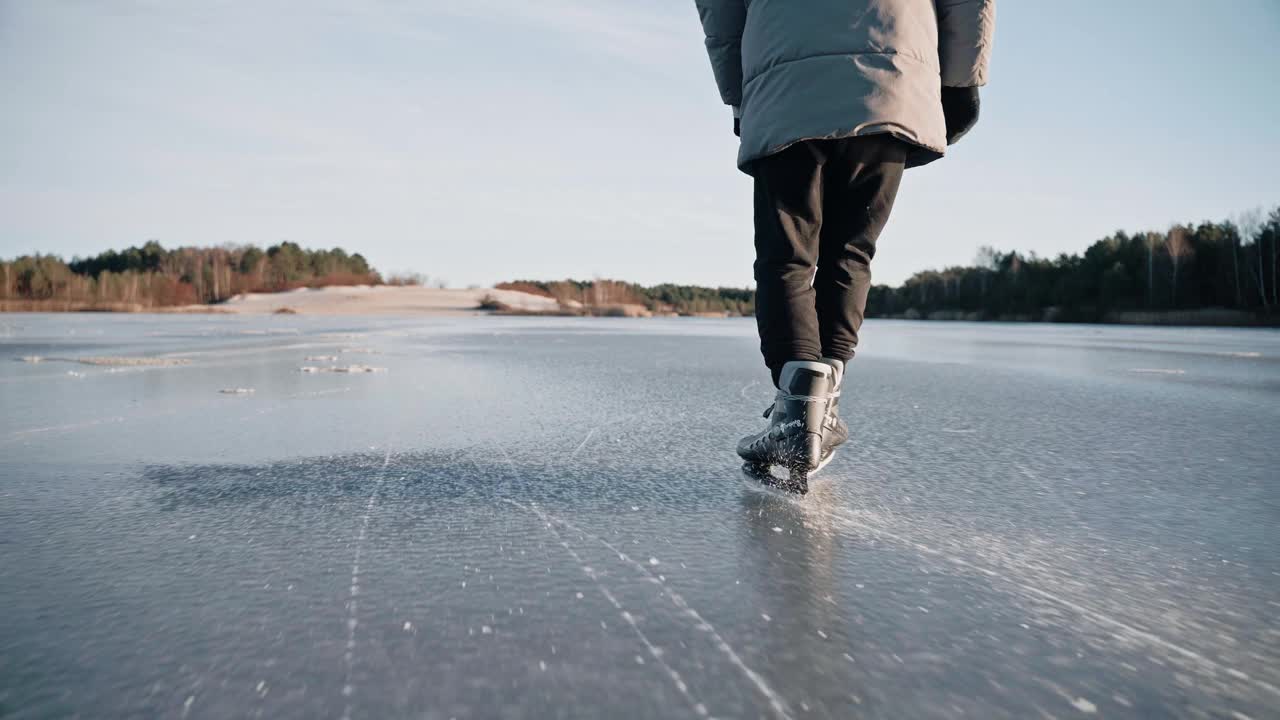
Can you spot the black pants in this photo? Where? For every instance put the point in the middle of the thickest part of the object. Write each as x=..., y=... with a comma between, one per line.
x=819, y=206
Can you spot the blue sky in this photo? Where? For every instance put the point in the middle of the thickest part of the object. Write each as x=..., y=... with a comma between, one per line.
x=482, y=140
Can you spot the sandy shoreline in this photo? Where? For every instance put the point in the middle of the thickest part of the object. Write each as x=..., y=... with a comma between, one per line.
x=364, y=300
x=334, y=300
x=382, y=300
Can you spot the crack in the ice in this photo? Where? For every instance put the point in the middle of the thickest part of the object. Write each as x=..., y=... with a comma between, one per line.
x=654, y=652
x=353, y=602
x=1100, y=618
x=775, y=701
x=582, y=444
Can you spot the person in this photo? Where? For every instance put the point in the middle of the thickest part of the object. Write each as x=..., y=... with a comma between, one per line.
x=832, y=100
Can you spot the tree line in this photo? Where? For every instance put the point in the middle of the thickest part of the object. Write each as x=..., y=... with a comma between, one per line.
x=1227, y=269
x=1214, y=272
x=151, y=276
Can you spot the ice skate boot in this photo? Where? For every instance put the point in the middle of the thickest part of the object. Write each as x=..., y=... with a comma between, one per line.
x=834, y=430
x=794, y=437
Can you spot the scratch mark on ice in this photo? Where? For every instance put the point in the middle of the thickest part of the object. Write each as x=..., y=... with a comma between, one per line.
x=654, y=651
x=775, y=701
x=1122, y=628
x=582, y=444
x=353, y=602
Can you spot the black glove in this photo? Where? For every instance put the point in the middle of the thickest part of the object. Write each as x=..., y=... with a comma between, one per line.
x=737, y=127
x=960, y=107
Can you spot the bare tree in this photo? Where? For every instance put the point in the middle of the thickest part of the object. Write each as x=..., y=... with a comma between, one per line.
x=987, y=258
x=1152, y=239
x=988, y=261
x=213, y=261
x=1178, y=246
x=1235, y=264
x=1249, y=223
x=1273, y=223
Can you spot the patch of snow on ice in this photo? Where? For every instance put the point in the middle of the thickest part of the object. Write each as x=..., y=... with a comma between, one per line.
x=1084, y=706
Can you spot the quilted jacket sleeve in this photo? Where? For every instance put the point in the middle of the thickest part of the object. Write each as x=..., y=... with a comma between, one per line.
x=722, y=23
x=965, y=32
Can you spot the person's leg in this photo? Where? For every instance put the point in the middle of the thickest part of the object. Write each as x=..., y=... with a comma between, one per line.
x=860, y=181
x=788, y=219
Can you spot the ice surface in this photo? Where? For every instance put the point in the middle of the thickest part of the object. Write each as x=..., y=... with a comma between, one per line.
x=541, y=518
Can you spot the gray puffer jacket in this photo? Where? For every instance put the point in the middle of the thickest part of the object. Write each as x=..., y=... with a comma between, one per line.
x=803, y=69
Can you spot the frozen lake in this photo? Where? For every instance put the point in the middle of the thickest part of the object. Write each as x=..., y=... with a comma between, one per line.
x=543, y=518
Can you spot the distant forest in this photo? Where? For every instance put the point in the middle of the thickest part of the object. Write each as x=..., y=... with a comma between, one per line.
x=1212, y=272
x=153, y=277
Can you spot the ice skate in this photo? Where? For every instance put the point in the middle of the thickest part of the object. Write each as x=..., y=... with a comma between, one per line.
x=797, y=420
x=835, y=432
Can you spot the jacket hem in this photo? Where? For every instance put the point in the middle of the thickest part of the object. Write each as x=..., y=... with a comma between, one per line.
x=881, y=93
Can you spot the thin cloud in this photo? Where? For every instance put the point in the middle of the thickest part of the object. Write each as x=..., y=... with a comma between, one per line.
x=637, y=33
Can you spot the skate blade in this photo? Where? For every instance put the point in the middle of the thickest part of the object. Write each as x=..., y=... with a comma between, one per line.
x=823, y=463
x=755, y=487
x=761, y=477
x=794, y=485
